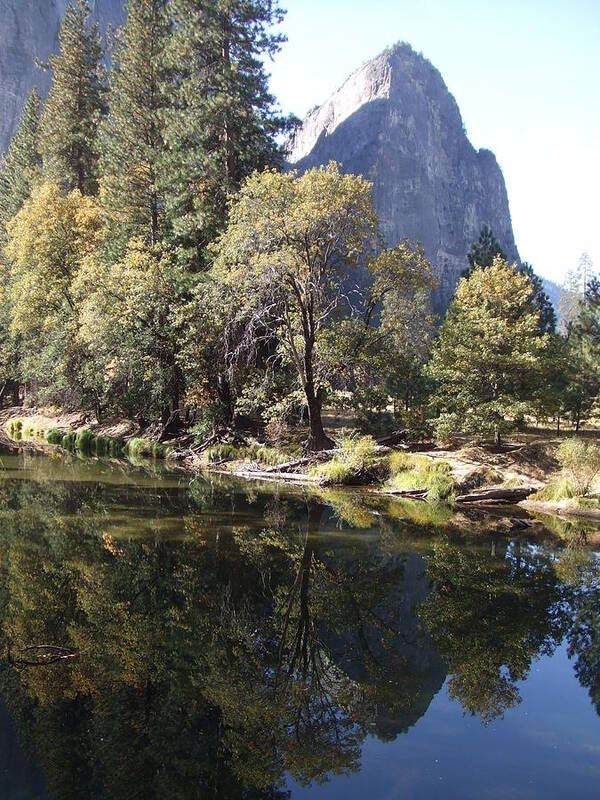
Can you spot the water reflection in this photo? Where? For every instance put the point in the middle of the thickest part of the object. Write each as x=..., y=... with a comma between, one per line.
x=165, y=642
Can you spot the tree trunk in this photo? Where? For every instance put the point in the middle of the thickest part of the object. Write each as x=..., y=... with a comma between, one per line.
x=497, y=493
x=153, y=218
x=225, y=398
x=558, y=424
x=318, y=439
x=496, y=437
x=176, y=386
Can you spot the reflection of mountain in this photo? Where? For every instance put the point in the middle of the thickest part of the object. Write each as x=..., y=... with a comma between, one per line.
x=19, y=779
x=413, y=669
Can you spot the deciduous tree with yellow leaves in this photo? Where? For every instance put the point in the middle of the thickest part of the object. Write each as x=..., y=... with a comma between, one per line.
x=48, y=241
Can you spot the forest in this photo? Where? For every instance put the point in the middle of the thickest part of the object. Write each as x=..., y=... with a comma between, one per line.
x=161, y=264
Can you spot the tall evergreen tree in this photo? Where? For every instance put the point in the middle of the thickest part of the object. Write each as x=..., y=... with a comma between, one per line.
x=483, y=251
x=131, y=137
x=74, y=106
x=19, y=170
x=540, y=299
x=21, y=165
x=221, y=125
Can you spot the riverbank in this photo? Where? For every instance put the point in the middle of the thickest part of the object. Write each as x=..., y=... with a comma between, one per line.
x=465, y=475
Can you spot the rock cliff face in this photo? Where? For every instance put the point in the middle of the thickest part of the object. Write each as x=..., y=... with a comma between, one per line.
x=395, y=122
x=29, y=31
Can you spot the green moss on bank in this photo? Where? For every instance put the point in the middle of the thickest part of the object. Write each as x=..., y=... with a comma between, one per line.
x=145, y=448
x=358, y=462
x=86, y=441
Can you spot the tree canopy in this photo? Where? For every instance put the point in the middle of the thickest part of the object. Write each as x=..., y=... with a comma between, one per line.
x=489, y=352
x=286, y=265
x=75, y=103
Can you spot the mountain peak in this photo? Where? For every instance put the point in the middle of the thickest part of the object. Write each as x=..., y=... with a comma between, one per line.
x=395, y=122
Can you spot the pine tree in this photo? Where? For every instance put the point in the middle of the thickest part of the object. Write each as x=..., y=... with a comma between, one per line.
x=540, y=299
x=19, y=170
x=581, y=368
x=74, y=106
x=131, y=138
x=483, y=251
x=221, y=124
x=21, y=165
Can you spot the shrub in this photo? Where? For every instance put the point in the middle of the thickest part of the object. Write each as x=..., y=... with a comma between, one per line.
x=554, y=492
x=159, y=450
x=418, y=472
x=115, y=447
x=253, y=452
x=444, y=428
x=68, y=440
x=266, y=455
x=224, y=452
x=358, y=462
x=84, y=441
x=581, y=462
x=15, y=427
x=336, y=472
x=107, y=446
x=54, y=436
x=144, y=448
x=139, y=447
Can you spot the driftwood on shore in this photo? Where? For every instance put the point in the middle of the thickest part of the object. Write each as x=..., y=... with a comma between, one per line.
x=313, y=458
x=497, y=494
x=272, y=475
x=415, y=494
x=305, y=461
x=223, y=436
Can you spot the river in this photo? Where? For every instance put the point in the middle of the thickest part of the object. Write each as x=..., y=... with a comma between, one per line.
x=168, y=638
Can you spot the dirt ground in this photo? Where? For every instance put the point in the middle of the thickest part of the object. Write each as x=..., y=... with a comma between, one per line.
x=526, y=459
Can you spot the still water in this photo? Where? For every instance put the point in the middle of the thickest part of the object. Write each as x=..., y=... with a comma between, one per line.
x=224, y=640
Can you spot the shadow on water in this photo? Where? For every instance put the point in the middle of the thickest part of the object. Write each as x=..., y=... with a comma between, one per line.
x=224, y=640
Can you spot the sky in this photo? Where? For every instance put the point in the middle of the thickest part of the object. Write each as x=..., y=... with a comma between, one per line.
x=526, y=77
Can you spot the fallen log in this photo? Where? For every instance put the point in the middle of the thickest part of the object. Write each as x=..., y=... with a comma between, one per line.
x=497, y=494
x=318, y=455
x=301, y=477
x=393, y=439
x=414, y=493
x=288, y=466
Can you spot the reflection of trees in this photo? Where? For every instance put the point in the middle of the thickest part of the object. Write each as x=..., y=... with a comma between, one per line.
x=490, y=615
x=218, y=662
x=580, y=569
x=324, y=662
x=263, y=642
